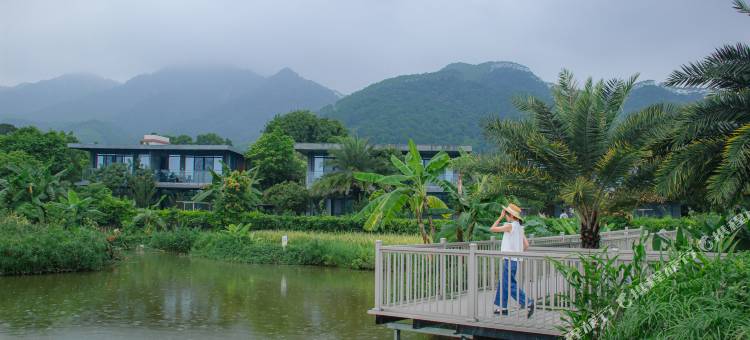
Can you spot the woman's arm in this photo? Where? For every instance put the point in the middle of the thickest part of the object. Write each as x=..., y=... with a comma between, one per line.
x=505, y=228
x=497, y=228
x=525, y=243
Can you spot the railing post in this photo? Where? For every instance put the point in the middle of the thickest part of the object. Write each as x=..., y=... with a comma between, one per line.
x=442, y=290
x=492, y=242
x=378, y=275
x=472, y=273
x=626, y=232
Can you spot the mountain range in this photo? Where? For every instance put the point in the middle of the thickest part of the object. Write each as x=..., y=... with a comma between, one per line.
x=233, y=102
x=448, y=106
x=442, y=107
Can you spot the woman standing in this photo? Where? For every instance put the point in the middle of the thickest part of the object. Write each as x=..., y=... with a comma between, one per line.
x=514, y=240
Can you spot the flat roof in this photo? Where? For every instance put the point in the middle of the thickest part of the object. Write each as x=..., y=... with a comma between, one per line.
x=167, y=147
x=310, y=147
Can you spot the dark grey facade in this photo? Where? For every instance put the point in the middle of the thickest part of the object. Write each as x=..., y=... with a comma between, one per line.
x=175, y=166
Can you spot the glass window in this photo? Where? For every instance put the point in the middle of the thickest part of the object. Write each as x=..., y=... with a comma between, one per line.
x=174, y=162
x=144, y=161
x=322, y=164
x=190, y=163
x=217, y=164
x=103, y=160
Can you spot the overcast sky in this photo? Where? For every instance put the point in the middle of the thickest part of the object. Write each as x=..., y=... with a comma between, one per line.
x=349, y=44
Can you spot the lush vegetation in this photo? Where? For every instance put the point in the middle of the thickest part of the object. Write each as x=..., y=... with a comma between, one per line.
x=237, y=243
x=259, y=221
x=349, y=250
x=27, y=248
x=306, y=127
x=579, y=149
x=409, y=191
x=274, y=157
x=202, y=139
x=704, y=300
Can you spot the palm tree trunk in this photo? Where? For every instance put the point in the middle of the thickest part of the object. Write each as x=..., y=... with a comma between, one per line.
x=590, y=231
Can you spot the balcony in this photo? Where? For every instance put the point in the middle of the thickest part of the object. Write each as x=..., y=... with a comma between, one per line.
x=182, y=178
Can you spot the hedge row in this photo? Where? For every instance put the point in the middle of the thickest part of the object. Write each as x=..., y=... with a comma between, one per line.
x=208, y=220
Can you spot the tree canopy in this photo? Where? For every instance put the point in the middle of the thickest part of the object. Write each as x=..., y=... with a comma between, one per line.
x=581, y=146
x=274, y=158
x=306, y=127
x=49, y=148
x=710, y=142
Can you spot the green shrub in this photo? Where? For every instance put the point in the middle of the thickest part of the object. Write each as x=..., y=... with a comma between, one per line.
x=115, y=212
x=287, y=198
x=180, y=240
x=34, y=248
x=260, y=221
x=701, y=301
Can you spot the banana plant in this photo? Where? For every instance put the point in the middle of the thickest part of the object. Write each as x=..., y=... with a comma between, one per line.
x=28, y=188
x=475, y=211
x=75, y=208
x=407, y=190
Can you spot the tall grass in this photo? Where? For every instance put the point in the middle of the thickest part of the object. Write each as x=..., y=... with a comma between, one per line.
x=27, y=248
x=345, y=249
x=702, y=301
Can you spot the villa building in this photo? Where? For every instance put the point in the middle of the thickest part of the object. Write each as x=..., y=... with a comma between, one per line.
x=175, y=167
x=318, y=157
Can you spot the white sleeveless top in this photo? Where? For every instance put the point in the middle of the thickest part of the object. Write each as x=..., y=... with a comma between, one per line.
x=513, y=240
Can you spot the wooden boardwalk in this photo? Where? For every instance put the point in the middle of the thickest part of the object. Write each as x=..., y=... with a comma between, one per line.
x=544, y=320
x=453, y=285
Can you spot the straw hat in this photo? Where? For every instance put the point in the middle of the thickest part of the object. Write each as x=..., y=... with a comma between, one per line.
x=513, y=210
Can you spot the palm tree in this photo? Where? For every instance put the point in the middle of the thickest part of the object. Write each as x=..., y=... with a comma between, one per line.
x=406, y=190
x=583, y=143
x=711, y=142
x=354, y=155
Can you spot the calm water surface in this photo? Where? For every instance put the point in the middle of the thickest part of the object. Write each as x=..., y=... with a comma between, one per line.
x=164, y=296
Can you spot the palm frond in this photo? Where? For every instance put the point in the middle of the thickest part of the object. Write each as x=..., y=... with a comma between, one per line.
x=646, y=126
x=688, y=166
x=741, y=6
x=732, y=176
x=726, y=68
x=545, y=119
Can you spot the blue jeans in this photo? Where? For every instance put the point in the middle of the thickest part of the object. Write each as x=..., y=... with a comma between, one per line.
x=502, y=285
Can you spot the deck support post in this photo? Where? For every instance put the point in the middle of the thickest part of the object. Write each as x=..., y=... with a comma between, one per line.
x=472, y=278
x=378, y=275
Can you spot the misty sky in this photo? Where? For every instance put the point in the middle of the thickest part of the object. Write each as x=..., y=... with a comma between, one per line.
x=348, y=44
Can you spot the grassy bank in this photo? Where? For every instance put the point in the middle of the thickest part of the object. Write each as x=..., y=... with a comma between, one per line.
x=27, y=248
x=349, y=250
x=338, y=249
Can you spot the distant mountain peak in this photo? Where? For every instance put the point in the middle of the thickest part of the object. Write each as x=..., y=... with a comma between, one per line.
x=286, y=73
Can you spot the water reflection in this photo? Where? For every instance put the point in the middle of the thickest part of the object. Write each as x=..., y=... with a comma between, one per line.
x=154, y=295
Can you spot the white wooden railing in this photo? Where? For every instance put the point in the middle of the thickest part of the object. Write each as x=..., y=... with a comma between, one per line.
x=457, y=282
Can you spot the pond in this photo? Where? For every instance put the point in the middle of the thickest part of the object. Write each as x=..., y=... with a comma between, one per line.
x=157, y=295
